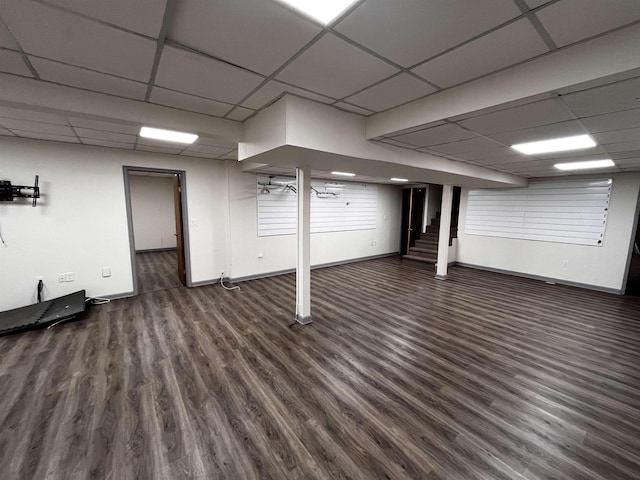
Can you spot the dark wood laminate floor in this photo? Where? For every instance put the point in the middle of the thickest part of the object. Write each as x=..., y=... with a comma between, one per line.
x=157, y=270
x=482, y=376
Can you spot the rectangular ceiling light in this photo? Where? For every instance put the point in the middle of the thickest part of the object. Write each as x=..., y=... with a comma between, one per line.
x=395, y=179
x=344, y=174
x=556, y=145
x=585, y=165
x=168, y=135
x=324, y=11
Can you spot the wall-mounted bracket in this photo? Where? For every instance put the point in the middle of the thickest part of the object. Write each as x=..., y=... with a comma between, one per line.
x=8, y=192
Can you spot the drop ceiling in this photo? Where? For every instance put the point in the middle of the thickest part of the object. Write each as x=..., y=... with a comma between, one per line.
x=231, y=59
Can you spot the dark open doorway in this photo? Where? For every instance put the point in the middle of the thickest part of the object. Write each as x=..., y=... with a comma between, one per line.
x=412, y=217
x=158, y=237
x=633, y=276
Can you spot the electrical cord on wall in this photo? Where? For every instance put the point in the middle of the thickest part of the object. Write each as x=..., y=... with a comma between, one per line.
x=40, y=288
x=235, y=287
x=2, y=240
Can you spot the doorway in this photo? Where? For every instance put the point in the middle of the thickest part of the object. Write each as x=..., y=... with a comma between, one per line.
x=158, y=237
x=633, y=268
x=412, y=216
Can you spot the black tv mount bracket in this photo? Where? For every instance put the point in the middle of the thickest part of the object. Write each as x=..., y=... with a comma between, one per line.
x=8, y=192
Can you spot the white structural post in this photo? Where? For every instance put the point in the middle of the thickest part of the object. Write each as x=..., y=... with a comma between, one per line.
x=445, y=232
x=303, y=266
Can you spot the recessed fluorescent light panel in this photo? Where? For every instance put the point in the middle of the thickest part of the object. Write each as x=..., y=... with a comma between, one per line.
x=167, y=135
x=324, y=11
x=577, y=142
x=585, y=165
x=344, y=174
x=394, y=179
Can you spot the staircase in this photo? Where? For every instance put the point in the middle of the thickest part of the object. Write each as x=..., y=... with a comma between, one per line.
x=425, y=248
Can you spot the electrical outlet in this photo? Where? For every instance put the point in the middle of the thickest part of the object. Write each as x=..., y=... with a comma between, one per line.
x=565, y=264
x=39, y=277
x=106, y=271
x=68, y=277
x=61, y=278
x=260, y=256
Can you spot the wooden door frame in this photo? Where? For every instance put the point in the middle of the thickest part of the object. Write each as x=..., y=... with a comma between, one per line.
x=185, y=219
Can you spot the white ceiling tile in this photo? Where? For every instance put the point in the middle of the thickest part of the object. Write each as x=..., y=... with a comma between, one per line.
x=12, y=62
x=52, y=33
x=503, y=106
x=7, y=112
x=6, y=41
x=79, y=77
x=420, y=127
x=188, y=72
x=570, y=21
x=545, y=132
x=240, y=114
x=606, y=99
x=188, y=153
x=231, y=155
x=473, y=144
x=599, y=82
x=156, y=149
x=106, y=126
x=105, y=143
x=622, y=146
x=497, y=155
x=535, y=3
x=101, y=135
x=170, y=98
x=392, y=92
x=273, y=89
x=36, y=126
x=526, y=116
x=46, y=136
x=336, y=68
x=141, y=16
x=353, y=108
x=216, y=142
x=436, y=135
x=575, y=156
x=255, y=34
x=624, y=155
x=613, y=121
x=215, y=151
x=626, y=135
x=413, y=30
x=507, y=46
x=396, y=143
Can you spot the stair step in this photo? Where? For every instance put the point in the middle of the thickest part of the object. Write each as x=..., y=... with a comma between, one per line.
x=415, y=258
x=422, y=250
x=426, y=242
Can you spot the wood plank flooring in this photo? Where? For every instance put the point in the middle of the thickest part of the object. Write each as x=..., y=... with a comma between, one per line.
x=401, y=376
x=157, y=270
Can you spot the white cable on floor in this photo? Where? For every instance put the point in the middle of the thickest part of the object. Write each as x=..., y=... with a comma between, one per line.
x=97, y=300
x=236, y=287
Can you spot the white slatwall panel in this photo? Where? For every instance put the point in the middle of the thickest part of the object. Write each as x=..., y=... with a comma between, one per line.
x=573, y=211
x=353, y=207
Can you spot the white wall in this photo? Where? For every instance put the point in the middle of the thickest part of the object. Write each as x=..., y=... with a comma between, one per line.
x=279, y=252
x=153, y=211
x=80, y=224
x=601, y=267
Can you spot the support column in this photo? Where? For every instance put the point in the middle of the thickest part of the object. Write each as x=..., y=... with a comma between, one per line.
x=445, y=232
x=303, y=266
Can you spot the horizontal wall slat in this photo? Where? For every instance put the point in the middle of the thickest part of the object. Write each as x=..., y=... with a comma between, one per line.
x=335, y=206
x=572, y=211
